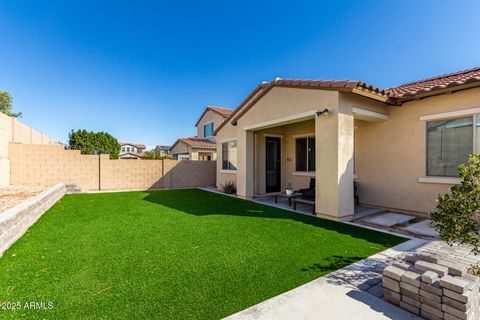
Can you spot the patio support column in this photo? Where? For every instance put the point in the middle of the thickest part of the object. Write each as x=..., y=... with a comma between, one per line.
x=334, y=164
x=245, y=162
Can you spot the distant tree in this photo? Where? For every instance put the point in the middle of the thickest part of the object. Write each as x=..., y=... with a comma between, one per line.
x=153, y=155
x=6, y=105
x=457, y=217
x=89, y=142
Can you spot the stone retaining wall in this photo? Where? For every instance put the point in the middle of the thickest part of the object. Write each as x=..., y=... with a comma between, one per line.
x=15, y=221
x=434, y=283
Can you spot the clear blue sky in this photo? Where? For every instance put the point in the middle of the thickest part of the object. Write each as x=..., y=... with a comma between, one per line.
x=144, y=70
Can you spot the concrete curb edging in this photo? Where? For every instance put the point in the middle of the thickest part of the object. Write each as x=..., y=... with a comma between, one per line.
x=15, y=221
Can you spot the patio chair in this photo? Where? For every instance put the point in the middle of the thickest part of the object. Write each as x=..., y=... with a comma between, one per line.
x=355, y=193
x=307, y=197
x=308, y=192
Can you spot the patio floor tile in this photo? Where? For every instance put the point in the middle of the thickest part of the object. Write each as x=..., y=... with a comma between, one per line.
x=389, y=219
x=422, y=228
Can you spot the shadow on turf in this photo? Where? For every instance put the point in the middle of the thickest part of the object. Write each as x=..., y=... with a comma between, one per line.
x=332, y=263
x=203, y=203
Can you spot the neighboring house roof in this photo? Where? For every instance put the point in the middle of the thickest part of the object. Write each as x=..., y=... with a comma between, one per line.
x=224, y=112
x=393, y=95
x=159, y=147
x=140, y=155
x=196, y=142
x=136, y=145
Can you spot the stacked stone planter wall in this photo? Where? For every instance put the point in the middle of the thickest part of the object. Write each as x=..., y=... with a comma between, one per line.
x=433, y=285
x=15, y=221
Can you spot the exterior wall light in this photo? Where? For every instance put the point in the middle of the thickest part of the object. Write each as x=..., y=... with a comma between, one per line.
x=325, y=112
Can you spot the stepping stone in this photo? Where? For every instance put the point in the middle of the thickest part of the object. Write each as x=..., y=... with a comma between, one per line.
x=422, y=228
x=363, y=211
x=389, y=219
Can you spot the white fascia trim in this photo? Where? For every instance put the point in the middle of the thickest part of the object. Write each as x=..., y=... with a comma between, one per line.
x=440, y=180
x=369, y=113
x=304, y=173
x=228, y=140
x=228, y=171
x=450, y=114
x=284, y=120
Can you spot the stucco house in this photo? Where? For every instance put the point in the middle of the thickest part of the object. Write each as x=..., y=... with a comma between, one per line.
x=130, y=150
x=203, y=145
x=162, y=150
x=401, y=145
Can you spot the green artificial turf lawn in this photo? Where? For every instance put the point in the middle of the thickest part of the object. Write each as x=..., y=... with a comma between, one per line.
x=186, y=254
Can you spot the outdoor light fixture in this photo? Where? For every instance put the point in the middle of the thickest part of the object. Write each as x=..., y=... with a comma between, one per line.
x=325, y=112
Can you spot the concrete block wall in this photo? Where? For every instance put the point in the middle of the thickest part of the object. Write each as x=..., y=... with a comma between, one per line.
x=12, y=130
x=46, y=165
x=15, y=221
x=434, y=288
x=131, y=174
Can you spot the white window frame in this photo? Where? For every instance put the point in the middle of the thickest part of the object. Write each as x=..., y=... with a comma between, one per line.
x=301, y=136
x=203, y=128
x=475, y=114
x=221, y=156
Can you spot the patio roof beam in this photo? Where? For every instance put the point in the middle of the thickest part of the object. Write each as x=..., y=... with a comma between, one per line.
x=283, y=121
x=367, y=115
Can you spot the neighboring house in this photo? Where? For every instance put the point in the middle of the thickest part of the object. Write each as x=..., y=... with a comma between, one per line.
x=402, y=145
x=203, y=146
x=131, y=150
x=163, y=150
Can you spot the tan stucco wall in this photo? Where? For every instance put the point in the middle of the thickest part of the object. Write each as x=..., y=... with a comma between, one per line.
x=47, y=165
x=179, y=148
x=391, y=155
x=195, y=153
x=209, y=116
x=228, y=132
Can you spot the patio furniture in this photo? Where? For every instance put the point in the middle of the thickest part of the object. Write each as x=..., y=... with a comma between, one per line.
x=309, y=189
x=289, y=197
x=355, y=194
x=304, y=201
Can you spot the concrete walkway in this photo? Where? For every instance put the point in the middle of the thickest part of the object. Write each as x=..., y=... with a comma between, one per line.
x=337, y=295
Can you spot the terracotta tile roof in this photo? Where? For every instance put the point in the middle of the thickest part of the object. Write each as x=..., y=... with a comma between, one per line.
x=140, y=155
x=435, y=83
x=136, y=145
x=225, y=112
x=196, y=142
x=394, y=95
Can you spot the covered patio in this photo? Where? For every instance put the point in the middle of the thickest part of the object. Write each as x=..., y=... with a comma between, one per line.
x=290, y=151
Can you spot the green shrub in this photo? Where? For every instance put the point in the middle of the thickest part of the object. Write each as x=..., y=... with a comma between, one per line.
x=457, y=216
x=229, y=187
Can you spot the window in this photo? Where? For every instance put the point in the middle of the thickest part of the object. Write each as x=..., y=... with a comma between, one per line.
x=449, y=143
x=208, y=130
x=128, y=149
x=305, y=154
x=229, y=155
x=123, y=149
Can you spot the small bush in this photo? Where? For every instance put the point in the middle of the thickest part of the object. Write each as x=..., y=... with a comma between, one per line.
x=229, y=187
x=457, y=214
